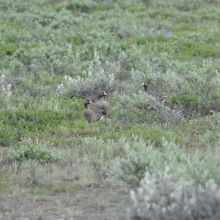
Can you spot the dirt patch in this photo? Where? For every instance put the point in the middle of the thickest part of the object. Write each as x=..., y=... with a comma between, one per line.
x=93, y=202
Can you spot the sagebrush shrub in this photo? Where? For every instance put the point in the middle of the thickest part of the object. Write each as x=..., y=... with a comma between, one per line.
x=96, y=79
x=163, y=196
x=141, y=156
x=5, y=88
x=195, y=88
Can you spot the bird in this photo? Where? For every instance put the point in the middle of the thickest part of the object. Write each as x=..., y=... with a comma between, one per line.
x=102, y=104
x=145, y=85
x=150, y=105
x=92, y=113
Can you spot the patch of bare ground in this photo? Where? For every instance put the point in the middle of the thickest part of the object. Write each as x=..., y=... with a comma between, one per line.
x=96, y=201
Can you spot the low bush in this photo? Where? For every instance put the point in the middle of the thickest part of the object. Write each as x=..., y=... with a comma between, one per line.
x=183, y=5
x=163, y=196
x=141, y=156
x=95, y=80
x=195, y=88
x=7, y=135
x=86, y=88
x=83, y=6
x=5, y=90
x=190, y=101
x=142, y=108
x=34, y=149
x=28, y=120
x=10, y=48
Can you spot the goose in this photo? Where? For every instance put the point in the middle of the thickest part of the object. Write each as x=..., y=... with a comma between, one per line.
x=92, y=113
x=165, y=101
x=102, y=104
x=145, y=85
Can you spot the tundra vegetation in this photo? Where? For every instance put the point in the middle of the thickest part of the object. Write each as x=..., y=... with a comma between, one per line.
x=157, y=154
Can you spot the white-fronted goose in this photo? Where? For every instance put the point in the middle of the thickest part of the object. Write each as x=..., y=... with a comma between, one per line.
x=102, y=104
x=145, y=85
x=92, y=113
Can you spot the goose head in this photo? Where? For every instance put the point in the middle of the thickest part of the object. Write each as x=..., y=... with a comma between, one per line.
x=145, y=85
x=102, y=94
x=87, y=102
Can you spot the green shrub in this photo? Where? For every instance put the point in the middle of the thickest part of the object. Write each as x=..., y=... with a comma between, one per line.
x=141, y=157
x=142, y=108
x=9, y=48
x=29, y=120
x=181, y=5
x=7, y=135
x=196, y=88
x=91, y=145
x=82, y=6
x=189, y=101
x=34, y=149
x=194, y=103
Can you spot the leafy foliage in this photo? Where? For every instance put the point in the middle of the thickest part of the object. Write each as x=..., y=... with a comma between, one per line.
x=33, y=120
x=144, y=108
x=34, y=149
x=142, y=157
x=194, y=88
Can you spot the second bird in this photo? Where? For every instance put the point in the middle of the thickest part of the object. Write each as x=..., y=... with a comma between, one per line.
x=92, y=113
x=102, y=104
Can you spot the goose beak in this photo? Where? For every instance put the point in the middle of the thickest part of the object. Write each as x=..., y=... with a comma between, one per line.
x=105, y=94
x=90, y=102
x=142, y=84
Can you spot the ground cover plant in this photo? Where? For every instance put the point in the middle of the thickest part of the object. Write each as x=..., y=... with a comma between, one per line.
x=156, y=153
